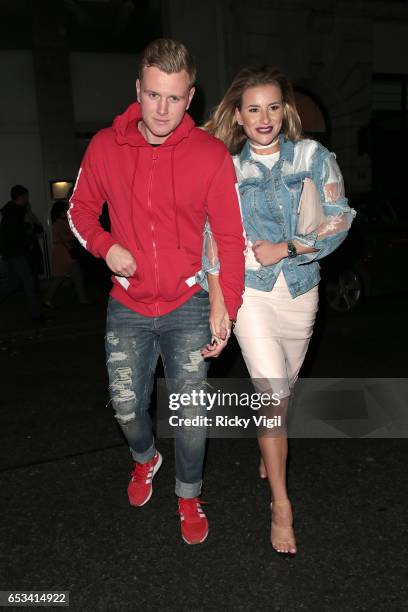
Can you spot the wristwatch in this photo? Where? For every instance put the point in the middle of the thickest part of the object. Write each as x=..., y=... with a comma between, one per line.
x=292, y=252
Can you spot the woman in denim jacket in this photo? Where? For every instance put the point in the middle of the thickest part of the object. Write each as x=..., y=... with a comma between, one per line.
x=294, y=213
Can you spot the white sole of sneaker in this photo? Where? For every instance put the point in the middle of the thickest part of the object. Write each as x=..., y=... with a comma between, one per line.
x=156, y=469
x=198, y=542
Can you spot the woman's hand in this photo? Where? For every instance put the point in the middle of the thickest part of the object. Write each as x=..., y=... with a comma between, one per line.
x=268, y=253
x=214, y=348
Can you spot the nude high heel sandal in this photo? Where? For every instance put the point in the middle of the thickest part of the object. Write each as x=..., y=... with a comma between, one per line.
x=262, y=470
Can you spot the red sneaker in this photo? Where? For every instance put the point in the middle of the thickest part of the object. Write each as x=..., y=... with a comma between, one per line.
x=193, y=522
x=140, y=487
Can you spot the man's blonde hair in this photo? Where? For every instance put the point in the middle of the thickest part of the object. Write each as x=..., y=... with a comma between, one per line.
x=169, y=56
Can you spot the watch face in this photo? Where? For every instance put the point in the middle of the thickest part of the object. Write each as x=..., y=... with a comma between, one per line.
x=292, y=252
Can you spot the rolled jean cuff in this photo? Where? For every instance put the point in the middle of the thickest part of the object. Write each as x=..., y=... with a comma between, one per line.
x=144, y=457
x=188, y=489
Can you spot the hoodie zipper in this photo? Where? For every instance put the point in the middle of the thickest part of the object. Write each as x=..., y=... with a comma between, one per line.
x=152, y=228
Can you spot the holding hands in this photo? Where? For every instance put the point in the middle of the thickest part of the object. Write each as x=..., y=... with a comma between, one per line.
x=220, y=326
x=220, y=323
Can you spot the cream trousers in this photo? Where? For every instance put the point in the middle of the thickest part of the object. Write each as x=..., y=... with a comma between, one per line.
x=273, y=330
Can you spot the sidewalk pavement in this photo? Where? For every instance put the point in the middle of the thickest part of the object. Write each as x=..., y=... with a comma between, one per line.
x=66, y=523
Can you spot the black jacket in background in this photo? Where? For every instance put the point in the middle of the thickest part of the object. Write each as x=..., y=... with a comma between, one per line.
x=14, y=239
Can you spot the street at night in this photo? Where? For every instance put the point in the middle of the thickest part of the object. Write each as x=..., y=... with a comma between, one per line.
x=67, y=523
x=181, y=181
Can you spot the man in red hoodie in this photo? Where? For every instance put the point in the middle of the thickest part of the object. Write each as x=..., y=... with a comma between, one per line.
x=161, y=177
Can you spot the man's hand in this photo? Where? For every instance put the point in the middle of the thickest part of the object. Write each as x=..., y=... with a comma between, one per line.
x=220, y=323
x=219, y=320
x=268, y=253
x=220, y=326
x=121, y=261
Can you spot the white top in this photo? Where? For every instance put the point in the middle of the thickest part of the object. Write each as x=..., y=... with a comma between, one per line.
x=269, y=161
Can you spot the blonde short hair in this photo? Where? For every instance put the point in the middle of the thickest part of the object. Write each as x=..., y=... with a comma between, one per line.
x=169, y=56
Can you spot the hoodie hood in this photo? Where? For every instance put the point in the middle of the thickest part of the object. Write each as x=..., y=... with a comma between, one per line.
x=127, y=132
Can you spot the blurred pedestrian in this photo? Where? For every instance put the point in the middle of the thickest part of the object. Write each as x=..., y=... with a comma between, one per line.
x=65, y=251
x=17, y=232
x=34, y=231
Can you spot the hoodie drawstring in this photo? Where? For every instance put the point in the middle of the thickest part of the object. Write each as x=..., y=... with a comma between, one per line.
x=174, y=198
x=132, y=207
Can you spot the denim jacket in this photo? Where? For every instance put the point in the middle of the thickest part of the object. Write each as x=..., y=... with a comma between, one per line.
x=269, y=204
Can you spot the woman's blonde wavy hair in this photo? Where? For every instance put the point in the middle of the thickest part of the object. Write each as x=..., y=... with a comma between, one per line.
x=223, y=123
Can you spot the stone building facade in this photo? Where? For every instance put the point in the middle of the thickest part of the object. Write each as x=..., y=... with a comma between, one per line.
x=348, y=60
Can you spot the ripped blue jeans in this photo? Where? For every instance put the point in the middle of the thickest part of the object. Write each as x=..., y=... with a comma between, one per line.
x=133, y=344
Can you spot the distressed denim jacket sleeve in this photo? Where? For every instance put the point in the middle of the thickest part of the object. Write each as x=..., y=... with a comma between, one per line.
x=338, y=215
x=210, y=263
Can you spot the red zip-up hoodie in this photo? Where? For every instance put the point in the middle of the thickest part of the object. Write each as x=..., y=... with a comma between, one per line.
x=159, y=198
